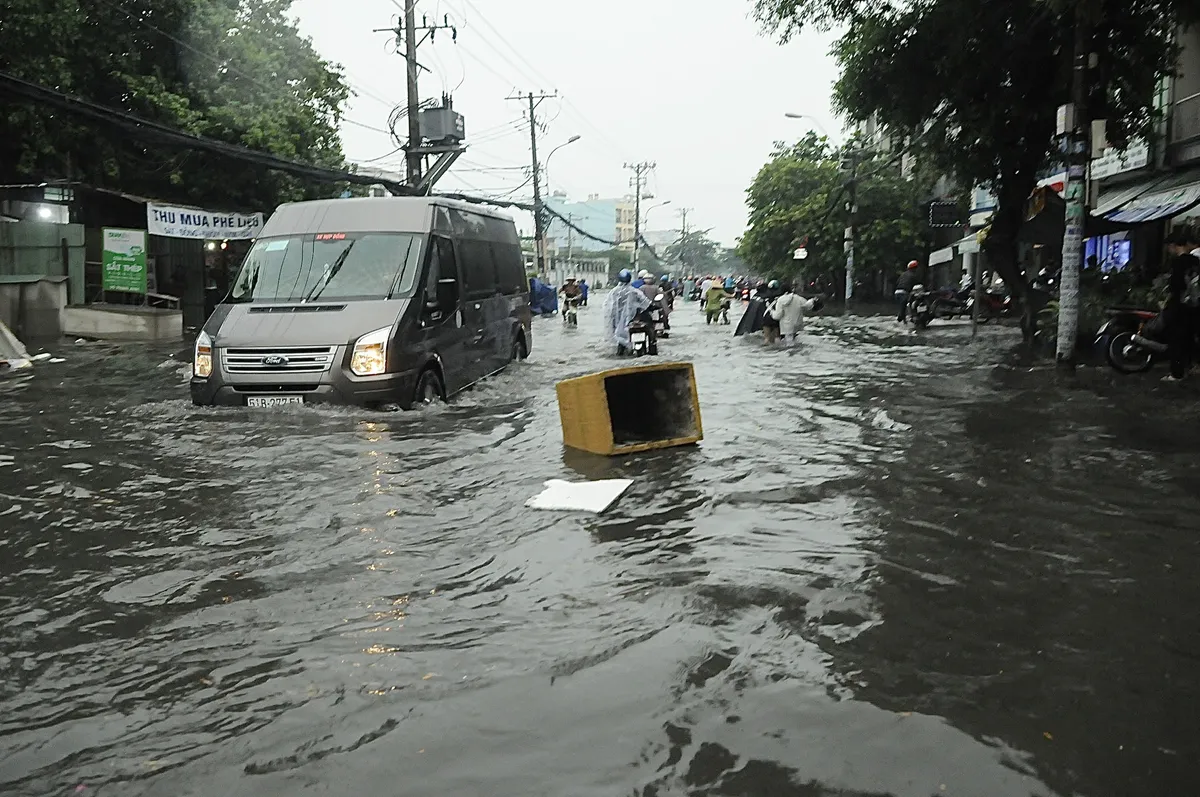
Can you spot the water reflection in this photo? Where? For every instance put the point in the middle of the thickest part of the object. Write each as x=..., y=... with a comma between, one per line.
x=892, y=568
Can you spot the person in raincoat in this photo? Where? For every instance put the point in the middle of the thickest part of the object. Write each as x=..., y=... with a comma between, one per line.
x=583, y=287
x=713, y=299
x=789, y=310
x=623, y=304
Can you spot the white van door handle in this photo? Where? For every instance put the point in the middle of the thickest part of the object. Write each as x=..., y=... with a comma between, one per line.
x=476, y=306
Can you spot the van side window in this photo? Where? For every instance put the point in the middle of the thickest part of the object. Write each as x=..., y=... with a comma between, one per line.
x=479, y=268
x=509, y=268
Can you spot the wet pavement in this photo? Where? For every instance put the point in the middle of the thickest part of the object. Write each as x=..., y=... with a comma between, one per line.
x=898, y=565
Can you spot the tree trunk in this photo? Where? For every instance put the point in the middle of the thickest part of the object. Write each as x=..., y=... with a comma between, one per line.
x=1001, y=244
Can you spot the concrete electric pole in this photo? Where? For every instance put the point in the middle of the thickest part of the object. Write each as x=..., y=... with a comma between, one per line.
x=640, y=170
x=1075, y=126
x=539, y=231
x=851, y=165
x=408, y=28
x=683, y=237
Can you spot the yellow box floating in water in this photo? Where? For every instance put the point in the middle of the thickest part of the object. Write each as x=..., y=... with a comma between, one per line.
x=627, y=410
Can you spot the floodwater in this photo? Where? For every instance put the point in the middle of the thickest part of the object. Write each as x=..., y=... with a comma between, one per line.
x=898, y=564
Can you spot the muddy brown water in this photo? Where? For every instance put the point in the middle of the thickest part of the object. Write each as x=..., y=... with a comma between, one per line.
x=897, y=565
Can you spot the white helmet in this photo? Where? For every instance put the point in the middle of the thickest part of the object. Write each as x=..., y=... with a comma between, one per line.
x=646, y=275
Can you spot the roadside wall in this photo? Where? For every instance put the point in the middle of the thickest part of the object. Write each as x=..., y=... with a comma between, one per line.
x=35, y=248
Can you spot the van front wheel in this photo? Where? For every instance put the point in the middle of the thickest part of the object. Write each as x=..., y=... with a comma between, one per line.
x=519, y=350
x=429, y=389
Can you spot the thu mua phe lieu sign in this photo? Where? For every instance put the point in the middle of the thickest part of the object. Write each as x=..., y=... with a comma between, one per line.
x=178, y=222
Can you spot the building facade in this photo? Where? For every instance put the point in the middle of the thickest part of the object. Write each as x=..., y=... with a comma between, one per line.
x=1152, y=186
x=595, y=216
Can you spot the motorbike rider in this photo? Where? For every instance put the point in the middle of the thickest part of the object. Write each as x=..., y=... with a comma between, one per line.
x=770, y=324
x=1181, y=314
x=904, y=285
x=570, y=293
x=622, y=306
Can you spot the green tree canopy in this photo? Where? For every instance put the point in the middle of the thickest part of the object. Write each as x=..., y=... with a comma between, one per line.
x=233, y=70
x=799, y=194
x=974, y=85
x=694, y=252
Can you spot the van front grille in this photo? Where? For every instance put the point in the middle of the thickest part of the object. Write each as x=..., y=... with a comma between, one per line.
x=293, y=360
x=274, y=388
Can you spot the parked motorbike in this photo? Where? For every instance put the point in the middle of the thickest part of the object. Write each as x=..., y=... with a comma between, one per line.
x=1132, y=339
x=996, y=304
x=950, y=303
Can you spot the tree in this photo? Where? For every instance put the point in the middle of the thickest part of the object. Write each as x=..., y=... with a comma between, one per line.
x=696, y=253
x=974, y=85
x=233, y=70
x=799, y=195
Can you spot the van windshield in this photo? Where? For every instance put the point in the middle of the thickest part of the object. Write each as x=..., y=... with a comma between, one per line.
x=324, y=266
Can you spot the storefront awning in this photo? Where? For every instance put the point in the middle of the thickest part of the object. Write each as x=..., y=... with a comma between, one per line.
x=1154, y=199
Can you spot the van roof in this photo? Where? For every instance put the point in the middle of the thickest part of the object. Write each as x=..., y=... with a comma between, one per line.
x=367, y=214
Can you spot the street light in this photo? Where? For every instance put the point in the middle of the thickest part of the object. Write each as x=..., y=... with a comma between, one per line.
x=812, y=119
x=570, y=140
x=652, y=207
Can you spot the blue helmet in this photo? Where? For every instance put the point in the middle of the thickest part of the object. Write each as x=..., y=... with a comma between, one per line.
x=625, y=276
x=664, y=279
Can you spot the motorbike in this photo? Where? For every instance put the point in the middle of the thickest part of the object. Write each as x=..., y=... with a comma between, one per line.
x=1132, y=339
x=658, y=314
x=920, y=306
x=570, y=311
x=744, y=294
x=996, y=304
x=952, y=303
x=643, y=339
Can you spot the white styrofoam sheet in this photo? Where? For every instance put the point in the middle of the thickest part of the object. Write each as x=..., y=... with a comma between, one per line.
x=566, y=496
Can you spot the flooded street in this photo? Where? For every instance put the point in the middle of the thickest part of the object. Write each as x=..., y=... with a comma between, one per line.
x=897, y=565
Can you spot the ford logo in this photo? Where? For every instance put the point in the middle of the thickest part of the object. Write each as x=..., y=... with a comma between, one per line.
x=274, y=361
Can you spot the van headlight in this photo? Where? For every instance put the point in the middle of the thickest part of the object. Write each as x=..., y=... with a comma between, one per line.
x=370, y=353
x=202, y=360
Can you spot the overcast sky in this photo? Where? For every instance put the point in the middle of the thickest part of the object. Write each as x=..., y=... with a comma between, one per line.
x=691, y=86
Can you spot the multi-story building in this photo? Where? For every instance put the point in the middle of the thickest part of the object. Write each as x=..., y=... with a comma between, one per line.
x=626, y=222
x=595, y=216
x=1152, y=185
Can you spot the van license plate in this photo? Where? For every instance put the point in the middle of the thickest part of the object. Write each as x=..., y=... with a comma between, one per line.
x=272, y=401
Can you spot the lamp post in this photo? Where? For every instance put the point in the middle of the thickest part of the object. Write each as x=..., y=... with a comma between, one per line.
x=812, y=119
x=541, y=244
x=652, y=207
x=570, y=140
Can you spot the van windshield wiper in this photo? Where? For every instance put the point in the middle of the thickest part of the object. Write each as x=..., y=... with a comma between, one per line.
x=337, y=266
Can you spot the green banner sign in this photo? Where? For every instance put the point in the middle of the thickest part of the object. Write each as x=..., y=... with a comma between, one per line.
x=124, y=260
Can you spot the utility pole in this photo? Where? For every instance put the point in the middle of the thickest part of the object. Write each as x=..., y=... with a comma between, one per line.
x=683, y=238
x=413, y=153
x=852, y=207
x=539, y=231
x=1074, y=120
x=640, y=170
x=570, y=237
